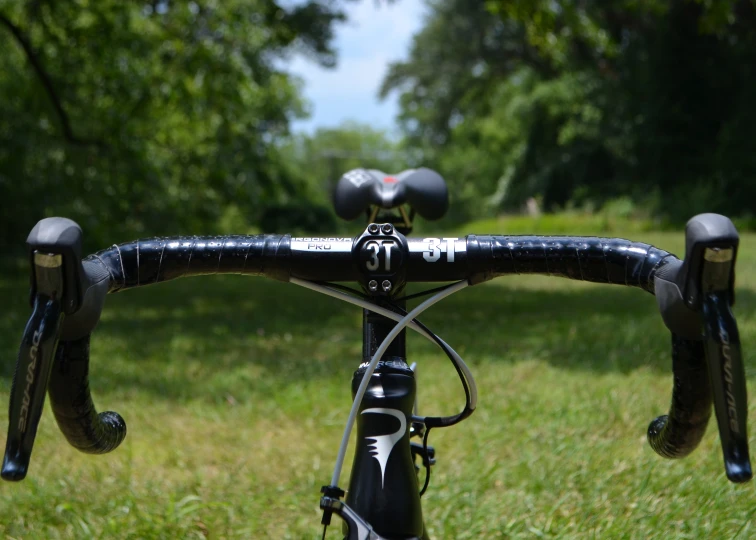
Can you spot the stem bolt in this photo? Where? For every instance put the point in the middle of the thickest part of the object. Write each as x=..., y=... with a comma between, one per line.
x=386, y=285
x=373, y=285
x=373, y=228
x=387, y=228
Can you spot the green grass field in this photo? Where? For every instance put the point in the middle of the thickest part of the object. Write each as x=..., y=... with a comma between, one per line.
x=235, y=391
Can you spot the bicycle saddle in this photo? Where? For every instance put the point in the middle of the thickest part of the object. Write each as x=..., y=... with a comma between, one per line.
x=423, y=189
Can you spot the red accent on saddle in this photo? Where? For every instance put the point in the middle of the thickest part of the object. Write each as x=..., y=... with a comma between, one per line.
x=389, y=180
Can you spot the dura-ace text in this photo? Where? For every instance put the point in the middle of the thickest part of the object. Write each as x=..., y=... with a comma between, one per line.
x=30, y=373
x=732, y=412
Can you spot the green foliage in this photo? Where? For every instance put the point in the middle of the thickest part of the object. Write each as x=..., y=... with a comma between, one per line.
x=619, y=216
x=149, y=117
x=581, y=102
x=321, y=158
x=304, y=217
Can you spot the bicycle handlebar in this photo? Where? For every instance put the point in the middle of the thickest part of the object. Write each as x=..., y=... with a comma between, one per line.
x=689, y=293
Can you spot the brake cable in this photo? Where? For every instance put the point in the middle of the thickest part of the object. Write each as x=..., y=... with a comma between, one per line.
x=420, y=294
x=446, y=421
x=417, y=326
x=426, y=462
x=359, y=294
x=468, y=381
x=443, y=421
x=338, y=286
x=407, y=320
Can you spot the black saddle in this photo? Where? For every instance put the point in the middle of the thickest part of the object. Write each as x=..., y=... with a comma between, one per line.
x=359, y=189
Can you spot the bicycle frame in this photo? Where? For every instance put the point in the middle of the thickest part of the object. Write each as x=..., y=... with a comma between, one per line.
x=383, y=487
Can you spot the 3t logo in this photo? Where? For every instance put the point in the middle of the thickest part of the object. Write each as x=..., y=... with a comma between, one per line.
x=377, y=252
x=436, y=246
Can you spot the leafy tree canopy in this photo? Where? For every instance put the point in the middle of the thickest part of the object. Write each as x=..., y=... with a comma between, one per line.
x=319, y=160
x=577, y=101
x=137, y=117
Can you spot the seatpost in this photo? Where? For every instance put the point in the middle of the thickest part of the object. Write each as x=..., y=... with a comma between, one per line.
x=401, y=220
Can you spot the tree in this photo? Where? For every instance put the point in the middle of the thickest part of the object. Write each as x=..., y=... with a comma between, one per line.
x=581, y=101
x=319, y=160
x=149, y=116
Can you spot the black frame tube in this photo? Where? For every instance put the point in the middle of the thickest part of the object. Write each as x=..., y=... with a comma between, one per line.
x=383, y=485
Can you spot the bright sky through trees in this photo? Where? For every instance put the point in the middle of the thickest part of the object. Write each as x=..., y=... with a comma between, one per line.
x=374, y=35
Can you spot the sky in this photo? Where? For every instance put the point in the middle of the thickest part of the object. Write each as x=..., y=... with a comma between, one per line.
x=374, y=36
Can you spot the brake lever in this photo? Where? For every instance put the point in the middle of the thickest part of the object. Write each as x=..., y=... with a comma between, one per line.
x=726, y=369
x=695, y=298
x=35, y=359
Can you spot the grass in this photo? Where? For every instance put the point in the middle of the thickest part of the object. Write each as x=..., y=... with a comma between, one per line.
x=574, y=222
x=235, y=391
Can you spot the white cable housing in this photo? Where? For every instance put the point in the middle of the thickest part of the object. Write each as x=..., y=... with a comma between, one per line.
x=401, y=324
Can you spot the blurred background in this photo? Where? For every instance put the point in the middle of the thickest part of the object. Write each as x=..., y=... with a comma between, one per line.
x=598, y=117
x=164, y=117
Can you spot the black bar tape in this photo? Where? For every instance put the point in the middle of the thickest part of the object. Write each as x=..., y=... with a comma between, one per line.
x=153, y=260
x=72, y=404
x=600, y=260
x=677, y=434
